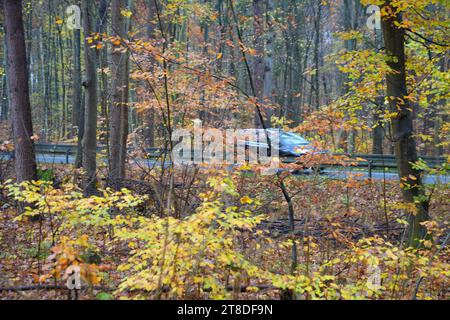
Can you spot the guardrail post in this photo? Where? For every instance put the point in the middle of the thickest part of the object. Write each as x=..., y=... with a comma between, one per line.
x=370, y=169
x=67, y=156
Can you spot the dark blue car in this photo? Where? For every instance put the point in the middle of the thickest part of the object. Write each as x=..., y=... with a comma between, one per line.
x=290, y=144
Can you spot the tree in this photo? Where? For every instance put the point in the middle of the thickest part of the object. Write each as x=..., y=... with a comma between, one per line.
x=77, y=105
x=315, y=83
x=378, y=130
x=4, y=103
x=258, y=62
x=119, y=107
x=350, y=22
x=25, y=158
x=402, y=124
x=268, y=91
x=102, y=55
x=149, y=121
x=90, y=86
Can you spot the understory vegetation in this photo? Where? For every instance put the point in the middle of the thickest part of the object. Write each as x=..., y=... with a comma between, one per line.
x=227, y=235
x=97, y=96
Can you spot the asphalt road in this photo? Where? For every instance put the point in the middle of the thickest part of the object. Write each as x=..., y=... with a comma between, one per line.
x=330, y=173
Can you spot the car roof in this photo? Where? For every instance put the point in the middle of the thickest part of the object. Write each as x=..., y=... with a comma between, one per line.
x=286, y=137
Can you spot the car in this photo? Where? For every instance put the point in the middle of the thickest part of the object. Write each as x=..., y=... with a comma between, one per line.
x=290, y=144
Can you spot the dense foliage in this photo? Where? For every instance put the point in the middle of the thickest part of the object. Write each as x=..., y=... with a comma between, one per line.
x=135, y=226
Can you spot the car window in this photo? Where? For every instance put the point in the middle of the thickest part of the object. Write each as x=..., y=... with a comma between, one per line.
x=293, y=138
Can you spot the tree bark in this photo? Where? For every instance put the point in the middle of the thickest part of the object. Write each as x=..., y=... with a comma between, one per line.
x=378, y=131
x=25, y=158
x=102, y=55
x=258, y=62
x=4, y=97
x=402, y=127
x=77, y=106
x=268, y=89
x=63, y=84
x=315, y=79
x=90, y=85
x=378, y=134
x=149, y=121
x=441, y=119
x=119, y=107
x=4, y=100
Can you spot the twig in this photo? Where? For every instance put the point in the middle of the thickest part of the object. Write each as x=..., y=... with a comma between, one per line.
x=419, y=282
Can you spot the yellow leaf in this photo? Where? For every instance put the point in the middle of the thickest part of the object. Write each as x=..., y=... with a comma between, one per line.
x=427, y=243
x=84, y=240
x=126, y=13
x=251, y=51
x=246, y=200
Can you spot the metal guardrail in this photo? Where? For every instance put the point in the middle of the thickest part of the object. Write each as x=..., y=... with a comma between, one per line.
x=66, y=149
x=69, y=150
x=381, y=161
x=371, y=161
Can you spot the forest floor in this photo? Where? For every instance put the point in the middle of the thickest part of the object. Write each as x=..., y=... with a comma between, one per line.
x=331, y=217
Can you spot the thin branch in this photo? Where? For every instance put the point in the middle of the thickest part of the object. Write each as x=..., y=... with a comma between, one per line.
x=441, y=44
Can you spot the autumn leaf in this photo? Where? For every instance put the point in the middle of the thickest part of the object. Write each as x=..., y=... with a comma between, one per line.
x=126, y=13
x=246, y=200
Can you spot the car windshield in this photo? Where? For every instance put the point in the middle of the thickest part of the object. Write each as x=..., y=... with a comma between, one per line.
x=286, y=138
x=292, y=139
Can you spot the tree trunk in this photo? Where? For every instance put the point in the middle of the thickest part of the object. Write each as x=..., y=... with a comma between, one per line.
x=441, y=119
x=4, y=97
x=258, y=62
x=63, y=84
x=4, y=100
x=77, y=106
x=316, y=77
x=46, y=80
x=102, y=55
x=119, y=108
x=402, y=127
x=90, y=85
x=378, y=131
x=378, y=134
x=149, y=121
x=25, y=158
x=350, y=24
x=268, y=93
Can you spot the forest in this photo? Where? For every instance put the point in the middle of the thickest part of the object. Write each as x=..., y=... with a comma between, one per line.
x=224, y=149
